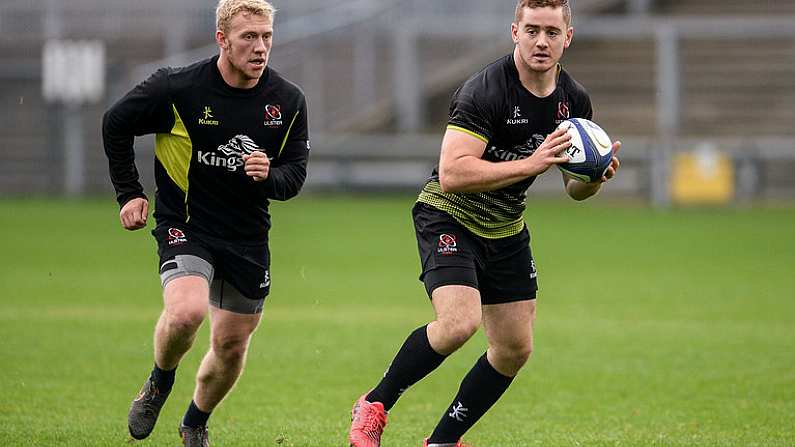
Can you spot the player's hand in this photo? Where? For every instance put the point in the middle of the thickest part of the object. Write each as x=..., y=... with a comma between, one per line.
x=134, y=213
x=257, y=165
x=614, y=163
x=550, y=152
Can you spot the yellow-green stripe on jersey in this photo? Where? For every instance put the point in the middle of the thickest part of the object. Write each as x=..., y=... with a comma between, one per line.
x=287, y=134
x=174, y=150
x=468, y=132
x=488, y=214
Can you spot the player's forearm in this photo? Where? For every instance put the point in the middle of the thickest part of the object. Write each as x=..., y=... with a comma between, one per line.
x=288, y=173
x=284, y=182
x=118, y=145
x=471, y=174
x=578, y=190
x=143, y=110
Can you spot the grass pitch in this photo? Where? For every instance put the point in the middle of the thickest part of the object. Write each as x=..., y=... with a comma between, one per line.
x=654, y=329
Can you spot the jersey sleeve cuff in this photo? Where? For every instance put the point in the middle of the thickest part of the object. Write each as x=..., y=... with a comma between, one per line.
x=124, y=198
x=468, y=132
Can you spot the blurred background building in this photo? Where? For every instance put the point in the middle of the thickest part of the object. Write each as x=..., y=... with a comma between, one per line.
x=699, y=91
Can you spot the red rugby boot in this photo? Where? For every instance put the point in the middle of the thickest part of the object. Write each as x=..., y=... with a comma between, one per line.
x=367, y=423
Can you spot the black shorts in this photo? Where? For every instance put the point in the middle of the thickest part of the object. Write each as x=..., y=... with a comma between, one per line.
x=244, y=267
x=502, y=269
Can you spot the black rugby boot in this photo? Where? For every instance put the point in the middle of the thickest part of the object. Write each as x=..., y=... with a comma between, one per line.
x=145, y=409
x=194, y=436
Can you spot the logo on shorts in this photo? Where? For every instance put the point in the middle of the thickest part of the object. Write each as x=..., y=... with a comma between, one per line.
x=176, y=236
x=447, y=245
x=533, y=271
x=267, y=281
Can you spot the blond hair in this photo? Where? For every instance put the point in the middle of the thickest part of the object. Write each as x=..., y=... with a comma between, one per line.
x=228, y=8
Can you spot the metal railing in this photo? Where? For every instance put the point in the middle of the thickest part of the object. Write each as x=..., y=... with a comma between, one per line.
x=366, y=61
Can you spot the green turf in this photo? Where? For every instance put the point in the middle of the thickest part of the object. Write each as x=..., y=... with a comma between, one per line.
x=655, y=328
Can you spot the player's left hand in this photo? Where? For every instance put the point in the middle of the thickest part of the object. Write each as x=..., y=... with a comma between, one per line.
x=257, y=165
x=614, y=163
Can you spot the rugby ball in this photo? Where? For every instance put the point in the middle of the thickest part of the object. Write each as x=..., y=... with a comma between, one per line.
x=590, y=152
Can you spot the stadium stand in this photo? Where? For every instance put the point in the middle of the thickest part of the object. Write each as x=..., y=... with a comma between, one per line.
x=731, y=87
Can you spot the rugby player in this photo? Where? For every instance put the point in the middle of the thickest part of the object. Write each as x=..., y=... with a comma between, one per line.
x=230, y=135
x=474, y=246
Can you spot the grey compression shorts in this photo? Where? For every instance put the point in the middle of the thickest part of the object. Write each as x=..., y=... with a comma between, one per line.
x=223, y=295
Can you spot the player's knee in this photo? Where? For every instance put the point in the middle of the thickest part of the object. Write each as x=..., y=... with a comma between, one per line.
x=185, y=310
x=185, y=319
x=459, y=330
x=522, y=354
x=230, y=348
x=515, y=355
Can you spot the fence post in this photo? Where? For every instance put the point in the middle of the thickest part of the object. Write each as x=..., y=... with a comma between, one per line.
x=668, y=112
x=640, y=7
x=407, y=78
x=365, y=62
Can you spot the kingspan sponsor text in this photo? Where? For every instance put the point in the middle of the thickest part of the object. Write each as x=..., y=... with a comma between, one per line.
x=231, y=163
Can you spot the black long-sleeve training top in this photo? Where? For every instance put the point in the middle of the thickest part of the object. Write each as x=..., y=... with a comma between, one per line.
x=203, y=127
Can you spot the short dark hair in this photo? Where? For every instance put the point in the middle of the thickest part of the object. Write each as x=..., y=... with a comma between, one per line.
x=521, y=4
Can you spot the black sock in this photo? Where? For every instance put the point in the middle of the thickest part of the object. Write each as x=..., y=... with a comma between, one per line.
x=479, y=390
x=195, y=417
x=415, y=360
x=163, y=379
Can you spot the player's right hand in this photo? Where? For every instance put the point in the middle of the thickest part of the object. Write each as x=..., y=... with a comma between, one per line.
x=257, y=165
x=134, y=213
x=550, y=152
